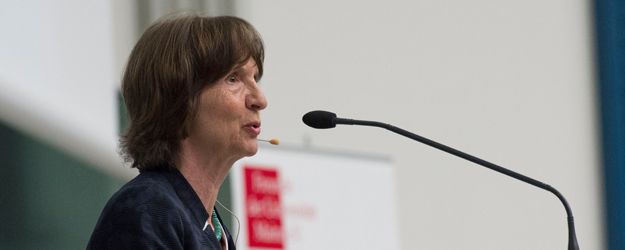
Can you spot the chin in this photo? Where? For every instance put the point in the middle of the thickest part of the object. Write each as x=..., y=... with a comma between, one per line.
x=250, y=150
x=253, y=152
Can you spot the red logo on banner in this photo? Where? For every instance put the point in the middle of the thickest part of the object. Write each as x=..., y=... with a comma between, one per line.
x=264, y=211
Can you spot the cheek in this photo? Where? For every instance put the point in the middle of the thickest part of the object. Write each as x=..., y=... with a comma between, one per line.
x=222, y=110
x=231, y=106
x=223, y=116
x=224, y=113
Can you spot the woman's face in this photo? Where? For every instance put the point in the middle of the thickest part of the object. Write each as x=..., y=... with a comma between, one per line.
x=228, y=119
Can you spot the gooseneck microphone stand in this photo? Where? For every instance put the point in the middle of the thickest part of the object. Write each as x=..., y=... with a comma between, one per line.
x=324, y=119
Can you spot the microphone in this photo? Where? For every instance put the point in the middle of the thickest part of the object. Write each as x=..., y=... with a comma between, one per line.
x=272, y=141
x=323, y=120
x=320, y=119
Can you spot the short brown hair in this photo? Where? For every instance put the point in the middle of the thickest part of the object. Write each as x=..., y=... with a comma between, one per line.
x=168, y=69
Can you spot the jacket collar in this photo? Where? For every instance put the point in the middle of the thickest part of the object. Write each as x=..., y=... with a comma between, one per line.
x=186, y=193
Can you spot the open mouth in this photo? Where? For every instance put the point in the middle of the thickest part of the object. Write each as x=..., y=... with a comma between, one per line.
x=254, y=127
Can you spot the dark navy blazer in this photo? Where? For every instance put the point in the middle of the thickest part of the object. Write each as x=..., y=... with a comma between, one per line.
x=158, y=209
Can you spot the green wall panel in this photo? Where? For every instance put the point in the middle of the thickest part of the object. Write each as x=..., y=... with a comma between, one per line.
x=48, y=199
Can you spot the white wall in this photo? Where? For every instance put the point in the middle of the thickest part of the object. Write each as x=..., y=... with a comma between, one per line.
x=509, y=81
x=56, y=76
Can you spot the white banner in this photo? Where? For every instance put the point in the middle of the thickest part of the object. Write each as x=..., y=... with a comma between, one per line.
x=290, y=198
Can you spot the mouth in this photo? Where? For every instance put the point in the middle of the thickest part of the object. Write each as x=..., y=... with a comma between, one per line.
x=254, y=127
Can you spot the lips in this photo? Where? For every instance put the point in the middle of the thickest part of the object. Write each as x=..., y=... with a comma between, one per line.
x=254, y=127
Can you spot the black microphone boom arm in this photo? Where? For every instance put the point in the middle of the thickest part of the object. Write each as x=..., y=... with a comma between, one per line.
x=571, y=226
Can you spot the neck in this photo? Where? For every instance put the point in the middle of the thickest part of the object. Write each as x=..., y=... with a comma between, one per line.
x=205, y=174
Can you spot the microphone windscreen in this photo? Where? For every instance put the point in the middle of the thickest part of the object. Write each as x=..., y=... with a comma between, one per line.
x=319, y=119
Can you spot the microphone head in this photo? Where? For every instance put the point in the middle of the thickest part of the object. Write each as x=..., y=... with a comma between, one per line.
x=320, y=119
x=274, y=141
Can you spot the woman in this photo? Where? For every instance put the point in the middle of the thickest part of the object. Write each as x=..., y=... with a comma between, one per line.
x=191, y=89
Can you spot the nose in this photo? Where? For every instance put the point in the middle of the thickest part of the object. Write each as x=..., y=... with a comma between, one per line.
x=256, y=99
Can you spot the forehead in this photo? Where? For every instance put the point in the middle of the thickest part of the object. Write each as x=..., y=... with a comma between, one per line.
x=250, y=65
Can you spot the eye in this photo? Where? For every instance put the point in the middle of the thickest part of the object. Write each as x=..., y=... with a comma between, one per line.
x=231, y=79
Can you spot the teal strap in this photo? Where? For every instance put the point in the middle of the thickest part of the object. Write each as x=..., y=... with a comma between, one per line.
x=217, y=226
